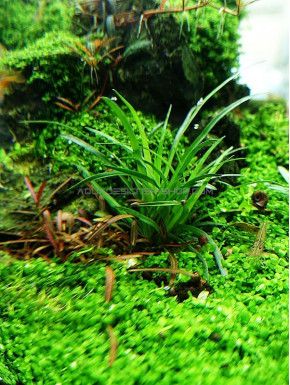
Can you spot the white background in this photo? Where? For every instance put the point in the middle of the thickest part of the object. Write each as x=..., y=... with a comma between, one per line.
x=265, y=43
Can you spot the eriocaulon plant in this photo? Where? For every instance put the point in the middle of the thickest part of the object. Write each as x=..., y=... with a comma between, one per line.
x=160, y=184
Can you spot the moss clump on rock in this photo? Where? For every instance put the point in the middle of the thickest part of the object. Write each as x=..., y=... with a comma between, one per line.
x=22, y=22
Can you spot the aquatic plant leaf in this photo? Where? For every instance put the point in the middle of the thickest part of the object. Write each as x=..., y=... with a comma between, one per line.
x=31, y=189
x=40, y=191
x=111, y=221
x=165, y=270
x=114, y=345
x=134, y=232
x=85, y=221
x=48, y=226
x=142, y=218
x=129, y=256
x=186, y=159
x=110, y=280
x=85, y=145
x=158, y=159
x=55, y=191
x=192, y=114
x=258, y=247
x=284, y=172
x=157, y=203
x=174, y=266
x=32, y=240
x=217, y=253
x=66, y=104
x=246, y=227
x=281, y=189
x=144, y=140
x=101, y=43
x=99, y=97
x=59, y=220
x=39, y=249
x=110, y=138
x=123, y=118
x=139, y=175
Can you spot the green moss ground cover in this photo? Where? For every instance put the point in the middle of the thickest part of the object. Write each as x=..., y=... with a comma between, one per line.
x=54, y=320
x=22, y=22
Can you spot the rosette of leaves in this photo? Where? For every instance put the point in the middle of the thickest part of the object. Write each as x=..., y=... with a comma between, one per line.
x=159, y=184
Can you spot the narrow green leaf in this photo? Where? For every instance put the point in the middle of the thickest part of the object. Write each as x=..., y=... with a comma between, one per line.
x=284, y=172
x=165, y=270
x=194, y=111
x=111, y=201
x=155, y=129
x=218, y=117
x=202, y=160
x=125, y=122
x=144, y=140
x=88, y=179
x=110, y=138
x=85, y=145
x=186, y=159
x=139, y=175
x=157, y=203
x=141, y=217
x=161, y=142
x=217, y=253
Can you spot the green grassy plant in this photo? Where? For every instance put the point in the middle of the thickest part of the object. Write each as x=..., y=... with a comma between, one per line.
x=54, y=320
x=156, y=180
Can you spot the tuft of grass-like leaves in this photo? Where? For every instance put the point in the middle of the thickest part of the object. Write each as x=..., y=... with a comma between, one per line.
x=160, y=185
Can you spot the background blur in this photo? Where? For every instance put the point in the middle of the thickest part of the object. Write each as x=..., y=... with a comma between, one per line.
x=265, y=43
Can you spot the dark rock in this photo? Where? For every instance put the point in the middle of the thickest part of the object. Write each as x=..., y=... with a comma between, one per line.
x=6, y=137
x=158, y=68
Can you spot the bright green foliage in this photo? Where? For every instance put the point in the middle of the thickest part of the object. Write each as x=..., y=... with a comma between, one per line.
x=105, y=122
x=48, y=65
x=22, y=22
x=5, y=374
x=52, y=44
x=54, y=319
x=51, y=70
x=265, y=136
x=53, y=67
x=214, y=39
x=217, y=54
x=62, y=155
x=161, y=182
x=265, y=130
